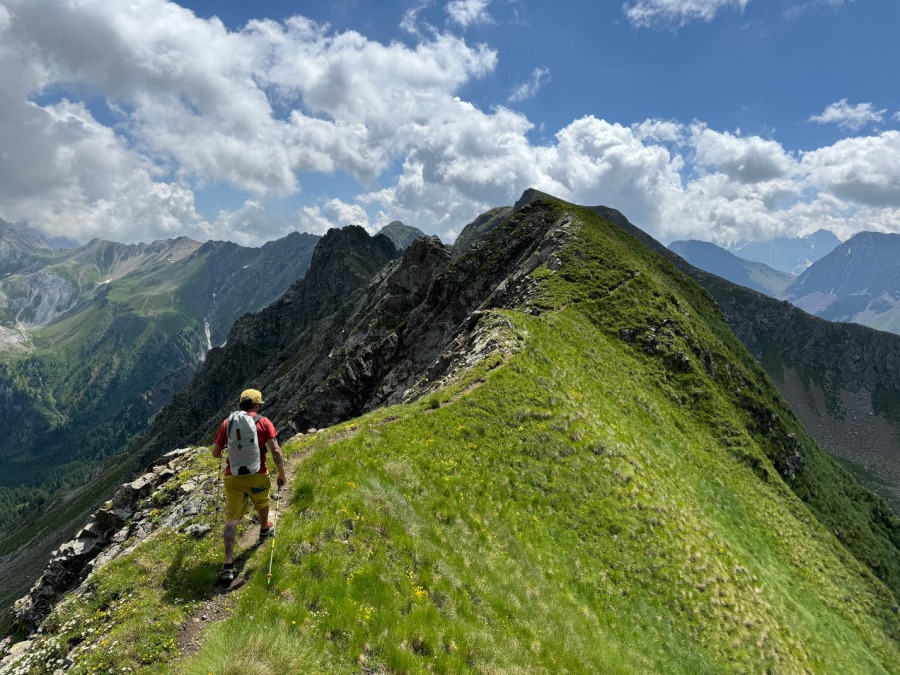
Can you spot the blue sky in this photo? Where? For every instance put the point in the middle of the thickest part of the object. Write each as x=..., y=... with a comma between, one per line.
x=724, y=120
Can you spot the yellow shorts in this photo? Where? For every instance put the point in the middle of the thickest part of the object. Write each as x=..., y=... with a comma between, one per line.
x=241, y=491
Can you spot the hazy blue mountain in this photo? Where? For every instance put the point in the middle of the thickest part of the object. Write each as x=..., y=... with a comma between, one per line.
x=788, y=254
x=858, y=281
x=717, y=260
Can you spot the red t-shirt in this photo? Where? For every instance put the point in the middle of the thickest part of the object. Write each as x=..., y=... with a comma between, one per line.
x=265, y=432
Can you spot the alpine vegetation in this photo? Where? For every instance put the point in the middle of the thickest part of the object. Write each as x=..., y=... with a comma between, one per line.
x=544, y=453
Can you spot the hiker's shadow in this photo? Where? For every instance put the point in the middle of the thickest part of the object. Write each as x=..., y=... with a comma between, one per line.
x=187, y=582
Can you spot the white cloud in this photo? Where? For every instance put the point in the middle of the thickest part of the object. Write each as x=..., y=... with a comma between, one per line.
x=652, y=13
x=659, y=130
x=863, y=170
x=468, y=12
x=190, y=105
x=410, y=20
x=745, y=160
x=849, y=116
x=530, y=88
x=199, y=105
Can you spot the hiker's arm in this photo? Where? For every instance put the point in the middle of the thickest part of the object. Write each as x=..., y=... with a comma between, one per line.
x=217, y=450
x=278, y=458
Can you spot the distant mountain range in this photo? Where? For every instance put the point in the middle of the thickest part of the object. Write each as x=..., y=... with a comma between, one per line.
x=716, y=260
x=858, y=281
x=96, y=339
x=788, y=254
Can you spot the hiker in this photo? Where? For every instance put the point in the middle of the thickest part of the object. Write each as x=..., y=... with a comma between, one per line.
x=246, y=434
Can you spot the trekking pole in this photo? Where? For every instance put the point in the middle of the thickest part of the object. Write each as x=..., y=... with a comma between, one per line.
x=274, y=534
x=218, y=496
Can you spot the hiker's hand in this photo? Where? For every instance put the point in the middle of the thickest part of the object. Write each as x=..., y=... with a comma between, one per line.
x=281, y=481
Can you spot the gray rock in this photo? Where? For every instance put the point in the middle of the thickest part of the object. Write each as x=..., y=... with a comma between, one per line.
x=198, y=530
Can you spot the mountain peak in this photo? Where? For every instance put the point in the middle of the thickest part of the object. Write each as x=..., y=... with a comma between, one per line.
x=402, y=235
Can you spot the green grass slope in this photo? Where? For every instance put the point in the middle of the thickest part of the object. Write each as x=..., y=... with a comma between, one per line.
x=607, y=499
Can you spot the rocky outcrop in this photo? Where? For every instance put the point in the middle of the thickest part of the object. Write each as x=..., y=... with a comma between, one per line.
x=298, y=328
x=124, y=520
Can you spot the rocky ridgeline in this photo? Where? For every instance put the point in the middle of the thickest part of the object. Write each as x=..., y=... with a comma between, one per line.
x=367, y=327
x=157, y=500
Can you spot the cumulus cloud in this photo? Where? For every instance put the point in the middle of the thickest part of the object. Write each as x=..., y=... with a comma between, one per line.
x=200, y=105
x=849, y=116
x=863, y=170
x=188, y=104
x=530, y=88
x=744, y=160
x=652, y=13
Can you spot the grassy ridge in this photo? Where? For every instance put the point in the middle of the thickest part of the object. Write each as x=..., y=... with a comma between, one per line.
x=606, y=500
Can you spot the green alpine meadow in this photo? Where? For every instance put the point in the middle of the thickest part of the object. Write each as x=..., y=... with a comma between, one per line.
x=614, y=487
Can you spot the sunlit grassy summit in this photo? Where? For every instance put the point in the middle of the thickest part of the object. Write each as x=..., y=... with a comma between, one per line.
x=614, y=487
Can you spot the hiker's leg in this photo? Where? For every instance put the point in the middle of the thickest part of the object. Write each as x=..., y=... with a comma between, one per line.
x=229, y=534
x=263, y=516
x=259, y=495
x=236, y=504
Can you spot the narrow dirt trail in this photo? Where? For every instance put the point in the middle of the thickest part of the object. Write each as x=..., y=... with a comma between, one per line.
x=218, y=607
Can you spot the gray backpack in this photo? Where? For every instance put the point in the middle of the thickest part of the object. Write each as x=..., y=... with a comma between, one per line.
x=243, y=444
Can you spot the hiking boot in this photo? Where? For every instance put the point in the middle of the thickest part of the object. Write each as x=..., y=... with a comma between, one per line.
x=226, y=576
x=267, y=531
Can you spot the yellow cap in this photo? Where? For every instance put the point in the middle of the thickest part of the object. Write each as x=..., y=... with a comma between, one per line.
x=252, y=395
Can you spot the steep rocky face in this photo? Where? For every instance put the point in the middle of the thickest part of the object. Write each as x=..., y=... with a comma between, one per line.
x=41, y=298
x=232, y=280
x=339, y=344
x=482, y=226
x=342, y=262
x=858, y=281
x=718, y=261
